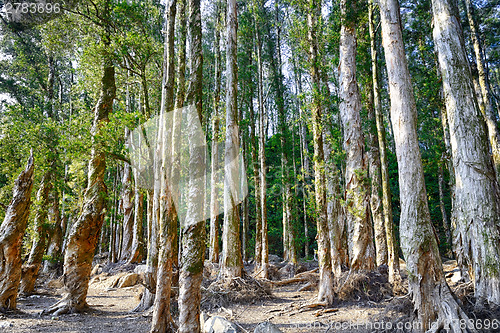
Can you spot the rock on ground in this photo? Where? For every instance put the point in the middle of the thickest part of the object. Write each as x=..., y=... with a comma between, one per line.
x=219, y=325
x=267, y=327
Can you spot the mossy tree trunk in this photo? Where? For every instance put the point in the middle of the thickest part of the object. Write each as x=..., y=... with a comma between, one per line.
x=325, y=293
x=433, y=300
x=361, y=250
x=193, y=230
x=392, y=253
x=11, y=237
x=162, y=319
x=476, y=206
x=232, y=264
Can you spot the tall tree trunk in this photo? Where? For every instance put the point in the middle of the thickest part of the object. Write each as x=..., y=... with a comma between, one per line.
x=484, y=98
x=361, y=250
x=85, y=231
x=263, y=242
x=11, y=237
x=214, y=190
x=325, y=293
x=32, y=266
x=232, y=265
x=162, y=319
x=476, y=208
x=432, y=298
x=128, y=211
x=392, y=255
x=193, y=232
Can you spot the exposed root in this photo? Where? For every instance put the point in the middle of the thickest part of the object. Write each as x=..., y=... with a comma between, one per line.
x=235, y=290
x=64, y=306
x=369, y=286
x=309, y=276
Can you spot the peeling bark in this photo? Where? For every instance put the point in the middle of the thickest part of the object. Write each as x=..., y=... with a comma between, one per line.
x=11, y=237
x=361, y=249
x=433, y=301
x=31, y=268
x=476, y=207
x=85, y=231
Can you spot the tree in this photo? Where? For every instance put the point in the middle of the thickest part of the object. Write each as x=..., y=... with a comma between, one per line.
x=193, y=230
x=232, y=264
x=432, y=298
x=476, y=207
x=12, y=231
x=325, y=293
x=162, y=319
x=392, y=256
x=84, y=233
x=361, y=250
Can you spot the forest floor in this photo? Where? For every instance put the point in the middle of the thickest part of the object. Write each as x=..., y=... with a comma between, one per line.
x=286, y=308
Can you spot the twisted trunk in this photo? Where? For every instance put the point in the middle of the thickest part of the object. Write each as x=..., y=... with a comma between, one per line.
x=11, y=237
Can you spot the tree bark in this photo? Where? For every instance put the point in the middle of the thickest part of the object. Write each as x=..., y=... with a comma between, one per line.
x=214, y=190
x=232, y=264
x=137, y=248
x=325, y=293
x=162, y=319
x=56, y=232
x=193, y=232
x=476, y=207
x=128, y=211
x=361, y=250
x=484, y=98
x=392, y=254
x=432, y=298
x=85, y=231
x=31, y=268
x=11, y=237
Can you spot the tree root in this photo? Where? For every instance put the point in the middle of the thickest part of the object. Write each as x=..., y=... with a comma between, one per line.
x=64, y=306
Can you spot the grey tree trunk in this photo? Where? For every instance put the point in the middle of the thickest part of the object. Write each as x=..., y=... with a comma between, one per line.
x=232, y=264
x=11, y=237
x=162, y=320
x=325, y=293
x=193, y=233
x=392, y=254
x=476, y=207
x=361, y=249
x=432, y=298
x=128, y=211
x=484, y=98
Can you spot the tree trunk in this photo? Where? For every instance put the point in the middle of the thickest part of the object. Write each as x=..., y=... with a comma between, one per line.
x=392, y=254
x=432, y=298
x=232, y=265
x=361, y=250
x=128, y=211
x=325, y=293
x=476, y=207
x=193, y=231
x=137, y=248
x=214, y=190
x=484, y=98
x=56, y=233
x=11, y=237
x=32, y=266
x=162, y=319
x=85, y=231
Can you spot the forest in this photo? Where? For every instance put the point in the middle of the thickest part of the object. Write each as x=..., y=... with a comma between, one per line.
x=249, y=166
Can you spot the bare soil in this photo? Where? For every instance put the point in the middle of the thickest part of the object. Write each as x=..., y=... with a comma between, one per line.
x=110, y=311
